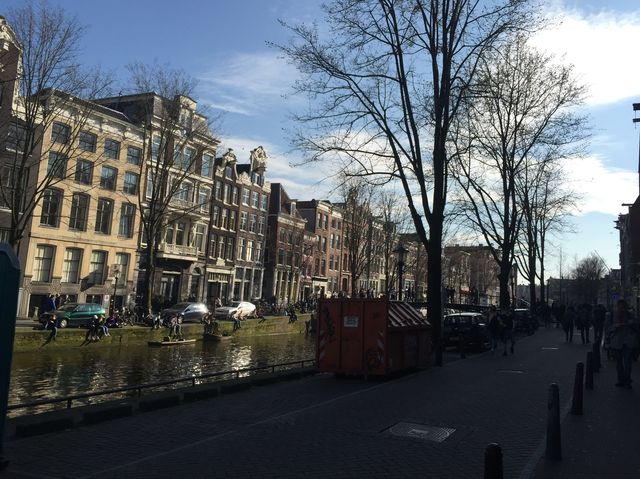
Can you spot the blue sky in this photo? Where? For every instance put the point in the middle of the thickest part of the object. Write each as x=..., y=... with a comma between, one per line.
x=224, y=45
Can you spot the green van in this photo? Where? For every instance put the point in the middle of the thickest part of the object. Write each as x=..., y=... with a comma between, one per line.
x=74, y=314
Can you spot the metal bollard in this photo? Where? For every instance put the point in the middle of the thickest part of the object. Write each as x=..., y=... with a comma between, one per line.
x=554, y=443
x=596, y=357
x=493, y=462
x=588, y=381
x=576, y=403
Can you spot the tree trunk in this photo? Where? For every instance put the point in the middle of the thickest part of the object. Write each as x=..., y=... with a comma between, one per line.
x=149, y=271
x=434, y=288
x=503, y=279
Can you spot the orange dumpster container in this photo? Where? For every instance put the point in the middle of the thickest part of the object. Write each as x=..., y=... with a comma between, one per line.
x=371, y=337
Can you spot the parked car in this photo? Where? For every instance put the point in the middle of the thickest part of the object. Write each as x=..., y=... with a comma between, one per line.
x=472, y=325
x=243, y=309
x=74, y=314
x=192, y=312
x=524, y=321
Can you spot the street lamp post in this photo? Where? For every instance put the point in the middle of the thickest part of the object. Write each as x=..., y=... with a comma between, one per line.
x=400, y=252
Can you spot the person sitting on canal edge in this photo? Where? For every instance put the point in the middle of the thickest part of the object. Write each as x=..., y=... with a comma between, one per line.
x=53, y=324
x=102, y=326
x=293, y=317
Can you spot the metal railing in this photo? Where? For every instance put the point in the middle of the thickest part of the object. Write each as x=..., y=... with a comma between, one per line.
x=194, y=380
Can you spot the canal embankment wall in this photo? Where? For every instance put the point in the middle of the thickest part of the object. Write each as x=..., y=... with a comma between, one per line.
x=27, y=339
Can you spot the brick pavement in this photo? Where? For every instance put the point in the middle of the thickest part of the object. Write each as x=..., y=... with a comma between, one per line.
x=326, y=427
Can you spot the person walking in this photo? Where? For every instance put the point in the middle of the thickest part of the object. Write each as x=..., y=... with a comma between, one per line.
x=624, y=342
x=51, y=303
x=494, y=328
x=568, y=322
x=599, y=316
x=584, y=322
x=508, y=334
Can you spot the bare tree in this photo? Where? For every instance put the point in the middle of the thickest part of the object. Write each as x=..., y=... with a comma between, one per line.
x=521, y=115
x=41, y=84
x=546, y=203
x=175, y=140
x=389, y=77
x=586, y=276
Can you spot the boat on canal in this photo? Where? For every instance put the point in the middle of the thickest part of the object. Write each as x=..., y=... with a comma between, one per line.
x=215, y=337
x=171, y=342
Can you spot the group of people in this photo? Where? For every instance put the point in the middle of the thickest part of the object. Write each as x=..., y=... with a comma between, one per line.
x=501, y=328
x=582, y=317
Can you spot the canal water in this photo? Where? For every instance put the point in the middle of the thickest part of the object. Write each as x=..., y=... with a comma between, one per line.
x=50, y=373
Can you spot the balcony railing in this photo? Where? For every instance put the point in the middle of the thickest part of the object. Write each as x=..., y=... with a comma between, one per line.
x=177, y=249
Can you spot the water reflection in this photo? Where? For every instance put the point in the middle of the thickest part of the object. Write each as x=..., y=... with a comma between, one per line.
x=50, y=373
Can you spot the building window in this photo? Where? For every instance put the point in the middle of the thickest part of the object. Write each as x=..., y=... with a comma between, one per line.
x=261, y=225
x=183, y=192
x=51, y=204
x=203, y=198
x=16, y=137
x=60, y=133
x=198, y=240
x=103, y=216
x=207, y=165
x=131, y=181
x=57, y=165
x=97, y=267
x=234, y=198
x=242, y=249
x=79, y=212
x=245, y=196
x=243, y=221
x=122, y=260
x=71, y=265
x=228, y=172
x=258, y=257
x=133, y=155
x=43, y=263
x=250, y=250
x=227, y=193
x=156, y=144
x=188, y=158
x=252, y=224
x=108, y=178
x=230, y=248
x=181, y=227
x=281, y=256
x=112, y=149
x=232, y=220
x=219, y=191
x=151, y=186
x=127, y=217
x=265, y=205
x=84, y=172
x=216, y=216
x=225, y=218
x=256, y=200
x=87, y=141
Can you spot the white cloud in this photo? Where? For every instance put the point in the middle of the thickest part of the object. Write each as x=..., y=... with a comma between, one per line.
x=300, y=182
x=600, y=45
x=602, y=188
x=248, y=83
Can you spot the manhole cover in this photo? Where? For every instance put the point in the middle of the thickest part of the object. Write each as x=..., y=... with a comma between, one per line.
x=511, y=371
x=550, y=349
x=421, y=431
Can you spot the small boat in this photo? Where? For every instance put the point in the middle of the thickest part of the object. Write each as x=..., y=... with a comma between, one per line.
x=171, y=342
x=215, y=337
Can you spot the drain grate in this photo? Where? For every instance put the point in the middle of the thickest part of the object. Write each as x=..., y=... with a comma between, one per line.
x=511, y=371
x=421, y=431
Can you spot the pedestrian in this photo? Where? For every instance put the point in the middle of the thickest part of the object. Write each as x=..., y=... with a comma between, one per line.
x=103, y=329
x=624, y=342
x=584, y=322
x=568, y=322
x=508, y=335
x=494, y=327
x=53, y=324
x=236, y=321
x=51, y=303
x=58, y=301
x=599, y=316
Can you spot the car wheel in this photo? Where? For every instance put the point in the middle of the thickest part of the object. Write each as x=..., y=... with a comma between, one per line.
x=63, y=323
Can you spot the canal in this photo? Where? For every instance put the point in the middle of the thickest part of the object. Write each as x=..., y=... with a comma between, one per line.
x=50, y=373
